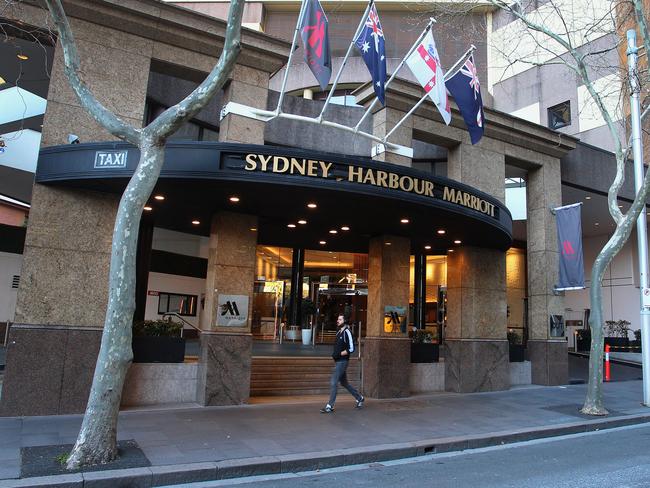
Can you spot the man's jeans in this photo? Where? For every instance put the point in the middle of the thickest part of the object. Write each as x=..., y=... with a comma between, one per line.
x=338, y=375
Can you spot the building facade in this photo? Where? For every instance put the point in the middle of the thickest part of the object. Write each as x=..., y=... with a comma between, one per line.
x=431, y=235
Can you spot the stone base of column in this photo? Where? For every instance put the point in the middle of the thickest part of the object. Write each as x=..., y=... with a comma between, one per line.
x=549, y=362
x=224, y=375
x=49, y=369
x=386, y=363
x=473, y=365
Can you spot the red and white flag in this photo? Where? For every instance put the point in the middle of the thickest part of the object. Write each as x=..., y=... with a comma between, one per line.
x=424, y=62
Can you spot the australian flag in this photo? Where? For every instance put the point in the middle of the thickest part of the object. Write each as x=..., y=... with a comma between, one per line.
x=466, y=90
x=315, y=40
x=370, y=43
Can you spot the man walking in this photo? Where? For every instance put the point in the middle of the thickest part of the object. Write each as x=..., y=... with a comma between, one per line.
x=343, y=347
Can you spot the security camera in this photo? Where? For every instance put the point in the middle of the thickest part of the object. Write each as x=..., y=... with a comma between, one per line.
x=73, y=139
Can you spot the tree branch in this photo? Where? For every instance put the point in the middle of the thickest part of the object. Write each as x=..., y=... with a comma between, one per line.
x=171, y=119
x=101, y=114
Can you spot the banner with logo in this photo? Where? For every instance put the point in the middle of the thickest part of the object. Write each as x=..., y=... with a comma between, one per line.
x=232, y=310
x=569, y=240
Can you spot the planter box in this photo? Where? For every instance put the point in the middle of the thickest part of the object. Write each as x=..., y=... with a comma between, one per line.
x=516, y=353
x=424, y=352
x=158, y=349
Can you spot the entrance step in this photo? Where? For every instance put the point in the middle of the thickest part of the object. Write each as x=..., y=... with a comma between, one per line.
x=289, y=376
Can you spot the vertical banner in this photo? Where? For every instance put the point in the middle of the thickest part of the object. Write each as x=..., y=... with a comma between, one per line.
x=569, y=240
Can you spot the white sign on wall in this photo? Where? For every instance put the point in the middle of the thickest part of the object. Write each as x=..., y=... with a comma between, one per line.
x=232, y=310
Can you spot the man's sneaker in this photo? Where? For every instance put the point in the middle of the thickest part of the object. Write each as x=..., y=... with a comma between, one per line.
x=326, y=409
x=360, y=402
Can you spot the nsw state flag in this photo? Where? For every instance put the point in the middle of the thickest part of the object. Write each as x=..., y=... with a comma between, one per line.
x=466, y=90
x=315, y=39
x=370, y=43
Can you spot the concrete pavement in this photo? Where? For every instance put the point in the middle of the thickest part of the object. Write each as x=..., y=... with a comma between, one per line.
x=194, y=444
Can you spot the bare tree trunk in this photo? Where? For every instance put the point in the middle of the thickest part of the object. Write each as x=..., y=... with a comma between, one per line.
x=96, y=442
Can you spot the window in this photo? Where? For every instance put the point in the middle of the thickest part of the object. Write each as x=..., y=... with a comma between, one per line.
x=180, y=304
x=559, y=115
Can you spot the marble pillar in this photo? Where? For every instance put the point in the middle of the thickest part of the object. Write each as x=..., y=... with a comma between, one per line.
x=548, y=355
x=476, y=349
x=387, y=349
x=225, y=357
x=383, y=122
x=247, y=86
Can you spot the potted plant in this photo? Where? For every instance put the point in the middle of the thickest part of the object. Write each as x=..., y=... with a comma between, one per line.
x=307, y=310
x=617, y=334
x=158, y=341
x=515, y=347
x=423, y=350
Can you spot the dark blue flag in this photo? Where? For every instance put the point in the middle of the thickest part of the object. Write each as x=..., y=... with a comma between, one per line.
x=370, y=43
x=466, y=90
x=315, y=40
x=569, y=242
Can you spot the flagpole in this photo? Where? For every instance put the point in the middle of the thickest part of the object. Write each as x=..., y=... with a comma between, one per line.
x=345, y=59
x=455, y=67
x=416, y=43
x=278, y=109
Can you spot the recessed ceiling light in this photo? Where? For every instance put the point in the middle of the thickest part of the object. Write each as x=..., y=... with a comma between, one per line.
x=22, y=57
x=148, y=208
x=442, y=231
x=404, y=221
x=596, y=223
x=312, y=205
x=427, y=247
x=234, y=199
x=302, y=222
x=620, y=206
x=253, y=229
x=2, y=81
x=587, y=197
x=322, y=243
x=329, y=252
x=450, y=250
x=333, y=231
x=457, y=241
x=345, y=227
x=388, y=243
x=159, y=197
x=196, y=222
x=291, y=225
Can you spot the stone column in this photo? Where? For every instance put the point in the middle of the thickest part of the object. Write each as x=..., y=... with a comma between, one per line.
x=548, y=355
x=476, y=357
x=383, y=122
x=63, y=289
x=247, y=86
x=386, y=354
x=225, y=357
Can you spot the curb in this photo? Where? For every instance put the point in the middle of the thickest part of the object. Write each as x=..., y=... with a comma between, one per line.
x=622, y=362
x=292, y=463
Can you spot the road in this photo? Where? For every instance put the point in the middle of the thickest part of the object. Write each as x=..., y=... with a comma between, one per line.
x=611, y=458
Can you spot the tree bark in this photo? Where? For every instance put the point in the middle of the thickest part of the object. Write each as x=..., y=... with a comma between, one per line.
x=97, y=440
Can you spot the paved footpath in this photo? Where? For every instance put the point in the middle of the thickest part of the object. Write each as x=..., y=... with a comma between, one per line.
x=195, y=444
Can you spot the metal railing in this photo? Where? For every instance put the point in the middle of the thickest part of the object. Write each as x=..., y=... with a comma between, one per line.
x=174, y=314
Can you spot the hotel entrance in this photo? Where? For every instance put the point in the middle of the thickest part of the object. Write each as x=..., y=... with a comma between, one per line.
x=298, y=295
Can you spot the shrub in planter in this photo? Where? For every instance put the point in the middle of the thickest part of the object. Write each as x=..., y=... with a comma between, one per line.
x=158, y=341
x=515, y=347
x=617, y=331
x=422, y=349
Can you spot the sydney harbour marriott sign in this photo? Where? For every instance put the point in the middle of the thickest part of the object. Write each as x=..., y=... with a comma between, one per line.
x=367, y=176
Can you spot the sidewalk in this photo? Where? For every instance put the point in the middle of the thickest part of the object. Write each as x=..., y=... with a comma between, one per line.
x=272, y=438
